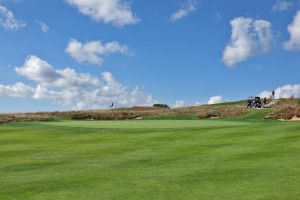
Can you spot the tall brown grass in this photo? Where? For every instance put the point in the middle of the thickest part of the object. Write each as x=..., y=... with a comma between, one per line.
x=285, y=109
x=222, y=112
x=128, y=114
x=287, y=112
x=25, y=117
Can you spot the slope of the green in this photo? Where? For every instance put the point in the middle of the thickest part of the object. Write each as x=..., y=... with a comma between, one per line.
x=255, y=114
x=160, y=159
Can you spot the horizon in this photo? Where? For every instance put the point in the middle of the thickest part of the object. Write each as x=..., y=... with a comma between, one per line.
x=191, y=52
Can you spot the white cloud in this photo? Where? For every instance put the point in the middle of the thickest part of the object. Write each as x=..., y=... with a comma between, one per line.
x=70, y=88
x=188, y=7
x=44, y=27
x=286, y=91
x=248, y=38
x=294, y=31
x=265, y=94
x=116, y=12
x=8, y=21
x=43, y=73
x=281, y=5
x=179, y=103
x=16, y=90
x=199, y=103
x=215, y=100
x=92, y=52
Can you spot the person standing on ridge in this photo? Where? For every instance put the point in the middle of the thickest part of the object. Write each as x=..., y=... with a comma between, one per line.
x=273, y=94
x=265, y=101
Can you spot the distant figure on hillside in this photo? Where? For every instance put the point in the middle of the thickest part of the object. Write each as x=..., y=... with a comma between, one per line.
x=265, y=101
x=273, y=94
x=112, y=105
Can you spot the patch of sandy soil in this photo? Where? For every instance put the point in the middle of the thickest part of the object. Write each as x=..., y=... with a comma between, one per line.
x=295, y=118
x=139, y=118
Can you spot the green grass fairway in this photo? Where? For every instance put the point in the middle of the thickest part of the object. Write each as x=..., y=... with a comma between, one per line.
x=150, y=159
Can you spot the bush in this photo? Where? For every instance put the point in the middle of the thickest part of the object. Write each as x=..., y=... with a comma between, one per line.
x=158, y=105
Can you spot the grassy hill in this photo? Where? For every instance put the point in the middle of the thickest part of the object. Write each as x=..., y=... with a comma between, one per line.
x=284, y=109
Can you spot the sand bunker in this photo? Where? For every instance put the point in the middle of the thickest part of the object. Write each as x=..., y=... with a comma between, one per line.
x=295, y=118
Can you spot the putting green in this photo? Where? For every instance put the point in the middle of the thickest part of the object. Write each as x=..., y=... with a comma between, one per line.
x=150, y=159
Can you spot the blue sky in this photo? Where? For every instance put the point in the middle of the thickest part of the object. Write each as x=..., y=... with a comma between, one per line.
x=171, y=50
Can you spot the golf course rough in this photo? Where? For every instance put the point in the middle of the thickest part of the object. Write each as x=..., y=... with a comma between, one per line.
x=150, y=159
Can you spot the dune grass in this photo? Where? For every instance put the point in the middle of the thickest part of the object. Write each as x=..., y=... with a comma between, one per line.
x=150, y=159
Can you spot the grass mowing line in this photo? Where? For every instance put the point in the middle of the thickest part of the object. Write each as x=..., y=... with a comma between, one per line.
x=151, y=124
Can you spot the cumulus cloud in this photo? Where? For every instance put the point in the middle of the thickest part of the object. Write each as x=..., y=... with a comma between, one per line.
x=215, y=100
x=294, y=31
x=16, y=90
x=70, y=88
x=281, y=5
x=92, y=52
x=43, y=73
x=187, y=8
x=286, y=91
x=248, y=38
x=179, y=103
x=199, y=103
x=8, y=20
x=116, y=12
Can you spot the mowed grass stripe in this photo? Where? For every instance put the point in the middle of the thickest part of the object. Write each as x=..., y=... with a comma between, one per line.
x=172, y=159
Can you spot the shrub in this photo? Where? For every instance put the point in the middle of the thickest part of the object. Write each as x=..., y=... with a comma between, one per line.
x=158, y=105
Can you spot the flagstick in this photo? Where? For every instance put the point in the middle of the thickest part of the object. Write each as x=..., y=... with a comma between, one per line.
x=112, y=112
